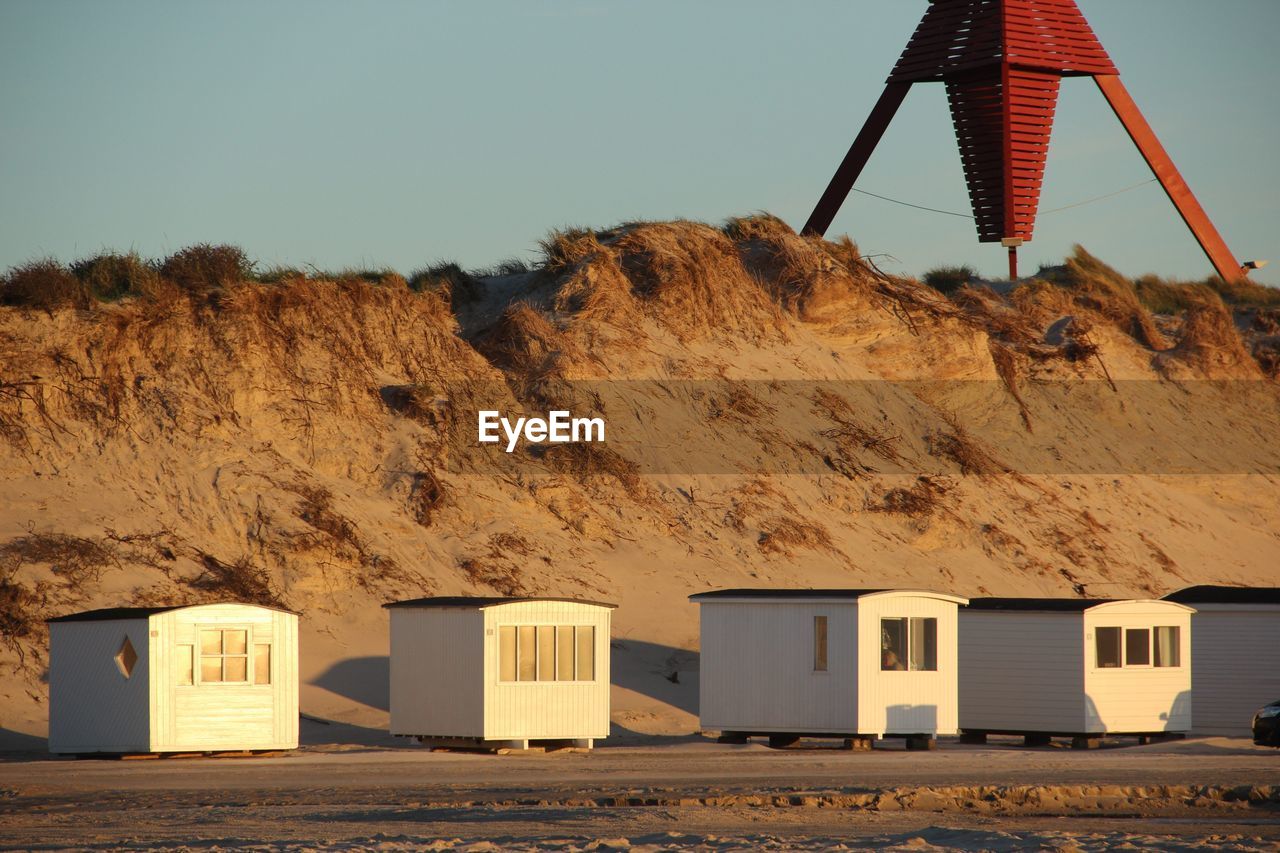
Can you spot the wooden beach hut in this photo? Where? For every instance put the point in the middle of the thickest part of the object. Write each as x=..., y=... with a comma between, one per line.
x=1235, y=633
x=843, y=663
x=1084, y=668
x=500, y=672
x=197, y=678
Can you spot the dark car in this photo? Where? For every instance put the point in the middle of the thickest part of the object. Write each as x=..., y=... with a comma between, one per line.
x=1266, y=725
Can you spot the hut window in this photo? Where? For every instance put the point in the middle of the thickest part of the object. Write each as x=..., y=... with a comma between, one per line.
x=507, y=653
x=528, y=654
x=586, y=636
x=1137, y=647
x=923, y=646
x=261, y=663
x=224, y=656
x=909, y=644
x=564, y=653
x=546, y=653
x=1169, y=646
x=126, y=658
x=819, y=644
x=185, y=664
x=1107, y=646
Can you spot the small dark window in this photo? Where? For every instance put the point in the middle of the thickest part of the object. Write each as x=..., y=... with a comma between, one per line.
x=893, y=644
x=909, y=644
x=1137, y=647
x=924, y=644
x=819, y=644
x=1108, y=647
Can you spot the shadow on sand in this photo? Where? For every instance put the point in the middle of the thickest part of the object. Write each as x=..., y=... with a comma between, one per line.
x=365, y=680
x=649, y=669
x=16, y=746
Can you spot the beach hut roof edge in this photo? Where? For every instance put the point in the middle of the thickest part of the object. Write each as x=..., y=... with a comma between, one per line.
x=1063, y=605
x=481, y=602
x=106, y=614
x=1211, y=594
x=791, y=593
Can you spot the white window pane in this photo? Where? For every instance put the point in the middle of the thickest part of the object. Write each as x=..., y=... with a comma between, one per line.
x=893, y=644
x=528, y=653
x=184, y=664
x=923, y=646
x=1137, y=647
x=546, y=653
x=586, y=636
x=210, y=670
x=261, y=664
x=235, y=669
x=507, y=653
x=1107, y=642
x=235, y=642
x=210, y=642
x=564, y=653
x=1169, y=646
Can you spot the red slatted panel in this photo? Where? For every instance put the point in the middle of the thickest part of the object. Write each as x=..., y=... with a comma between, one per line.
x=1003, y=152
x=959, y=35
x=954, y=35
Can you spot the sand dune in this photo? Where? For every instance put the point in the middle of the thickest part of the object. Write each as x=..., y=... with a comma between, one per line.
x=780, y=412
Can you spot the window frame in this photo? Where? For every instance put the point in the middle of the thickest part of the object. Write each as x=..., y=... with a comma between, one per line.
x=821, y=644
x=1150, y=657
x=557, y=633
x=1119, y=649
x=906, y=658
x=1176, y=646
x=198, y=663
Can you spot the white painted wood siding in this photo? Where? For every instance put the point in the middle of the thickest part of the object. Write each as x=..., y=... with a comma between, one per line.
x=1234, y=670
x=906, y=702
x=437, y=672
x=1021, y=671
x=210, y=717
x=92, y=706
x=1138, y=699
x=546, y=709
x=756, y=667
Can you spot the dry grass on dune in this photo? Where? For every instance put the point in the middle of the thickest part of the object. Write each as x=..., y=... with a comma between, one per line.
x=686, y=275
x=1092, y=285
x=1209, y=342
x=807, y=275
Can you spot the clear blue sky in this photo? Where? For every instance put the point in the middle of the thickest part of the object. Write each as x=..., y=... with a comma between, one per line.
x=395, y=133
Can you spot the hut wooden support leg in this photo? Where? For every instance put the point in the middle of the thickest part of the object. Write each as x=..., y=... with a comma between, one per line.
x=584, y=743
x=973, y=738
x=1086, y=742
x=922, y=742
x=1036, y=740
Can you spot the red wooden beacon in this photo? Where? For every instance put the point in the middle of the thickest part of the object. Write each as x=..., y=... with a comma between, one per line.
x=1002, y=62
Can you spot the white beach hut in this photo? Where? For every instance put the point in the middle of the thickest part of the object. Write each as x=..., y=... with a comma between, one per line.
x=1083, y=668
x=500, y=672
x=1234, y=639
x=849, y=663
x=199, y=678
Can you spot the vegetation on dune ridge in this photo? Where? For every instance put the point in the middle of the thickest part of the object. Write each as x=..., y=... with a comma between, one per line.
x=695, y=280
